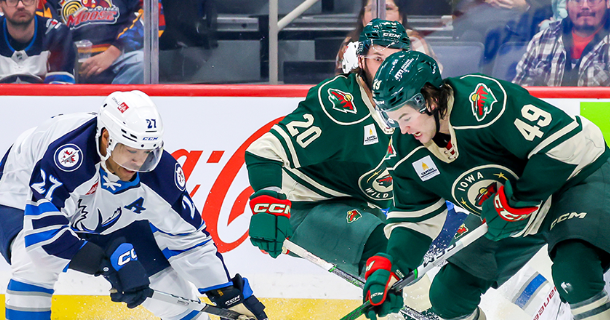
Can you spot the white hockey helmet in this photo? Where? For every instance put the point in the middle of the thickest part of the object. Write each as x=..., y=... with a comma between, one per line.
x=135, y=130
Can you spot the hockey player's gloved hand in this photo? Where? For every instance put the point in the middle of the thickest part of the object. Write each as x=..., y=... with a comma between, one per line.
x=126, y=274
x=119, y=265
x=379, y=279
x=269, y=226
x=238, y=297
x=506, y=216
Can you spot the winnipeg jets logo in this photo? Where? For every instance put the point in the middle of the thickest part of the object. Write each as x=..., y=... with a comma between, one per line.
x=68, y=157
x=179, y=178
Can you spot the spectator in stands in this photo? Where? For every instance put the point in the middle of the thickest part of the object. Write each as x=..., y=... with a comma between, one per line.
x=495, y=22
x=116, y=31
x=34, y=49
x=572, y=51
x=396, y=10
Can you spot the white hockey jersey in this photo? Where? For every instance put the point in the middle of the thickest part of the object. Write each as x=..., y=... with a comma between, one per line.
x=53, y=172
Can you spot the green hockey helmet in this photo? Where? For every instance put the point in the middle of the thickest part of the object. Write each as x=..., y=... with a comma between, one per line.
x=399, y=82
x=389, y=34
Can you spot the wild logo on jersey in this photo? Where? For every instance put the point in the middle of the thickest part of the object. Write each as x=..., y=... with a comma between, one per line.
x=353, y=215
x=478, y=184
x=377, y=183
x=482, y=99
x=78, y=13
x=342, y=101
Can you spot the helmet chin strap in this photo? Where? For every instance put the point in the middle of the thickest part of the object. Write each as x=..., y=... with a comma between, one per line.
x=102, y=157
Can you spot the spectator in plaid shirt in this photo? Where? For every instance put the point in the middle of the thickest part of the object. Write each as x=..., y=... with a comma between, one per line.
x=571, y=52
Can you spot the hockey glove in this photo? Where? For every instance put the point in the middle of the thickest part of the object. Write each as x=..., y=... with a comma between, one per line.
x=239, y=298
x=506, y=216
x=379, y=279
x=120, y=266
x=269, y=226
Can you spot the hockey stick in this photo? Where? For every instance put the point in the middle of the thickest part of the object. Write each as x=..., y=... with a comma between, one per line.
x=425, y=267
x=195, y=305
x=332, y=268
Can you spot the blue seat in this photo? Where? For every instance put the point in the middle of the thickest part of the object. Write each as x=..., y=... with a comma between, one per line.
x=458, y=57
x=505, y=64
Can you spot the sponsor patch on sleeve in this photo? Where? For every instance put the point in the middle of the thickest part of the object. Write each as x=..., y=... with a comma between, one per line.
x=425, y=168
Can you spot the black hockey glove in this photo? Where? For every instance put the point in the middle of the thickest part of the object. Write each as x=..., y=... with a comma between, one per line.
x=238, y=297
x=120, y=266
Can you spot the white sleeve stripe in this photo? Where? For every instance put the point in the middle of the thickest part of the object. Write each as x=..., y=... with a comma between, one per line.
x=553, y=138
x=293, y=153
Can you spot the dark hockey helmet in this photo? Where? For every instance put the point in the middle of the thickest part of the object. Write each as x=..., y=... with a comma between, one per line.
x=389, y=34
x=400, y=79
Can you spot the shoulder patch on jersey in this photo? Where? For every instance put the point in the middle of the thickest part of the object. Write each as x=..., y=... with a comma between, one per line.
x=426, y=168
x=68, y=157
x=179, y=177
x=342, y=101
x=353, y=215
x=482, y=100
x=391, y=152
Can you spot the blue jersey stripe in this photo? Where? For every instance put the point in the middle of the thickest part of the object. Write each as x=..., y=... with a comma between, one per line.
x=530, y=290
x=35, y=210
x=224, y=285
x=27, y=315
x=191, y=315
x=54, y=220
x=14, y=285
x=170, y=253
x=35, y=238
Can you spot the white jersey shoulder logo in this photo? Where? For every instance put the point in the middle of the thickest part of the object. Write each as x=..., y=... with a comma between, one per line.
x=370, y=134
x=179, y=178
x=68, y=157
x=426, y=168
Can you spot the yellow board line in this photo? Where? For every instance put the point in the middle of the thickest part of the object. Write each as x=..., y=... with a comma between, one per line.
x=80, y=307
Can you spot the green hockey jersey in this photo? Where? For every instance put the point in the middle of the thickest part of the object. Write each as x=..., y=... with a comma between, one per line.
x=498, y=132
x=331, y=146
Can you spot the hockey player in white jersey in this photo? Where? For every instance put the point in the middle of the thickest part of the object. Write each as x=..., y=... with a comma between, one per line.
x=97, y=194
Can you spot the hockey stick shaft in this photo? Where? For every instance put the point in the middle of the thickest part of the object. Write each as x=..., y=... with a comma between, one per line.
x=195, y=305
x=299, y=251
x=425, y=267
x=332, y=268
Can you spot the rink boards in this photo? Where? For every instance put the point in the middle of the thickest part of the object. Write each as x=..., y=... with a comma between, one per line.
x=208, y=129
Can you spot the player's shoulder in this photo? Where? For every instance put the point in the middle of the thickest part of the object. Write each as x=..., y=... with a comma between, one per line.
x=167, y=179
x=480, y=100
x=338, y=99
x=72, y=154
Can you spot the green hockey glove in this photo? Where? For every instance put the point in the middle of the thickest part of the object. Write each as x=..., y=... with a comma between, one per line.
x=506, y=216
x=269, y=226
x=379, y=279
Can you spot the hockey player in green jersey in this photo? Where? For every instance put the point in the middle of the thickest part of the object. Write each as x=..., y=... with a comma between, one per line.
x=319, y=176
x=535, y=174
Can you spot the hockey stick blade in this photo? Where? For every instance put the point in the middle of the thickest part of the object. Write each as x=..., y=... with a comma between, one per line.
x=332, y=268
x=425, y=267
x=195, y=305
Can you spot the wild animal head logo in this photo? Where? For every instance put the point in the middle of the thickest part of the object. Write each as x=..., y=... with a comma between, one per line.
x=342, y=101
x=482, y=99
x=353, y=215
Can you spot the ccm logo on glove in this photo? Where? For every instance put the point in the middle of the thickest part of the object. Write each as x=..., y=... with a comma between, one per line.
x=125, y=253
x=274, y=208
x=515, y=214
